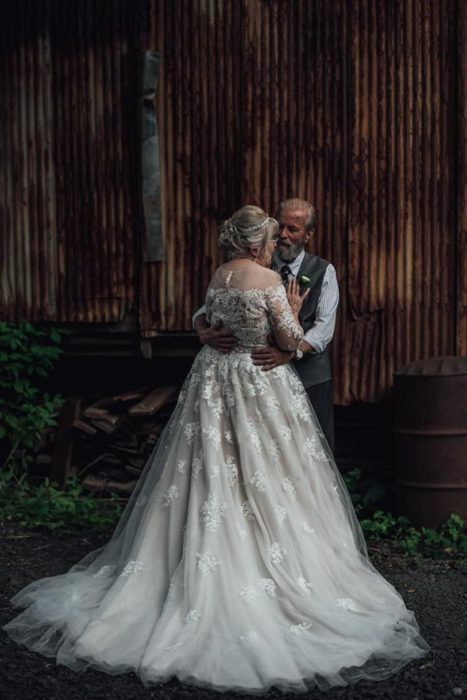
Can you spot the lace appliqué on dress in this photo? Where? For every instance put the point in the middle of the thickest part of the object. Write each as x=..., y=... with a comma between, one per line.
x=347, y=604
x=301, y=628
x=277, y=553
x=191, y=617
x=132, y=567
x=191, y=430
x=264, y=585
x=170, y=495
x=213, y=512
x=281, y=513
x=231, y=470
x=305, y=585
x=207, y=562
x=250, y=636
x=259, y=481
x=313, y=446
x=247, y=511
x=196, y=467
x=106, y=569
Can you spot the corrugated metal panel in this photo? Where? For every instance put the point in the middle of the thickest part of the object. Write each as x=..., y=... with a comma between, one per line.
x=354, y=105
x=198, y=107
x=28, y=276
x=402, y=222
x=349, y=104
x=462, y=190
x=68, y=174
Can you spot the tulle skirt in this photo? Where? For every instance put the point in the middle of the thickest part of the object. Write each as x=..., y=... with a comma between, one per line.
x=238, y=562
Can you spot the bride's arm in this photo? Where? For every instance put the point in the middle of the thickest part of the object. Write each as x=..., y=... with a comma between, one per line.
x=287, y=330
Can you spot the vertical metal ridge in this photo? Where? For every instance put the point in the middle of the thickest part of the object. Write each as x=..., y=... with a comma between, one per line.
x=461, y=204
x=50, y=182
x=358, y=106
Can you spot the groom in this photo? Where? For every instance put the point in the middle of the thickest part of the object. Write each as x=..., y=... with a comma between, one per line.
x=297, y=224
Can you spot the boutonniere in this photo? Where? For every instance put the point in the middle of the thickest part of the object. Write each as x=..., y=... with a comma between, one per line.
x=304, y=280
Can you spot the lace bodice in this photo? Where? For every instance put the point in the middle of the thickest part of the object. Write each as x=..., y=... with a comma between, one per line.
x=252, y=305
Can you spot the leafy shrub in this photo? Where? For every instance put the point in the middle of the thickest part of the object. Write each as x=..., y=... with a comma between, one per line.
x=365, y=492
x=448, y=540
x=30, y=505
x=27, y=356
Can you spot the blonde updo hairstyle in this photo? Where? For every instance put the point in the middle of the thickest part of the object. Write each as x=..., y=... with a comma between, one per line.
x=249, y=227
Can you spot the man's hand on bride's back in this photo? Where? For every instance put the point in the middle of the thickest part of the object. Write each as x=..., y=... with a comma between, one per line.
x=217, y=336
x=271, y=356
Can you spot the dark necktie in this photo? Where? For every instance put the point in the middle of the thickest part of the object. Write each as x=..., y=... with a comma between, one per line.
x=285, y=272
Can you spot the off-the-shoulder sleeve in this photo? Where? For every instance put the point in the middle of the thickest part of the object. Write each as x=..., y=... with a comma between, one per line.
x=287, y=332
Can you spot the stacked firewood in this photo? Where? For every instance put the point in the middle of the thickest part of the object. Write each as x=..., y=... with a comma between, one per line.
x=106, y=441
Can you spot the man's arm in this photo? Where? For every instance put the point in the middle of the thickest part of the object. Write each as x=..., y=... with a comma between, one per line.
x=200, y=312
x=318, y=337
x=216, y=336
x=272, y=356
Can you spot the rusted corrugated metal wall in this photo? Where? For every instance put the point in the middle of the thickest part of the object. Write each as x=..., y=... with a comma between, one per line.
x=352, y=104
x=359, y=106
x=462, y=186
x=402, y=197
x=67, y=187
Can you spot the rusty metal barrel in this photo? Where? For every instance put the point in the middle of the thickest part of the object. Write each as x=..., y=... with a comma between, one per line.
x=431, y=439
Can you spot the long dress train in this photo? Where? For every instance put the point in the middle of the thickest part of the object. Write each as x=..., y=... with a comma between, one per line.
x=238, y=562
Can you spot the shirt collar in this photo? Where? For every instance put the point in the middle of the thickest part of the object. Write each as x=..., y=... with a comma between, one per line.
x=294, y=265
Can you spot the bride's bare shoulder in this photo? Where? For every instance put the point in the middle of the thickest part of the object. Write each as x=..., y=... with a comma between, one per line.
x=270, y=277
x=245, y=274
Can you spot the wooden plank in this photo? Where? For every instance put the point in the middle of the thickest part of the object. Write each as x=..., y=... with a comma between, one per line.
x=130, y=395
x=84, y=427
x=61, y=462
x=99, y=484
x=95, y=412
x=107, y=426
x=154, y=401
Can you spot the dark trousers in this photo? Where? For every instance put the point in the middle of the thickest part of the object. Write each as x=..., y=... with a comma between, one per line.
x=321, y=397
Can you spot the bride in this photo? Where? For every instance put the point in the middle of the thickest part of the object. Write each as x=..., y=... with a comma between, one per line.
x=238, y=562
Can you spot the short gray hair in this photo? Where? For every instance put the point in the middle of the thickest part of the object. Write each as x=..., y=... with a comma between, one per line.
x=297, y=203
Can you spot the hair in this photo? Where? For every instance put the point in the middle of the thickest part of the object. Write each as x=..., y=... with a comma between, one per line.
x=248, y=227
x=297, y=203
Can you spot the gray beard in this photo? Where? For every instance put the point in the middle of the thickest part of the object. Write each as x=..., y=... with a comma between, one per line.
x=288, y=253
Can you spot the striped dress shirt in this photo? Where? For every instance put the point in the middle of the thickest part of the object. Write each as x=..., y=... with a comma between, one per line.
x=322, y=330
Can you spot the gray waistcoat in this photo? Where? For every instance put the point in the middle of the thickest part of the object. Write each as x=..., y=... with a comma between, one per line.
x=312, y=368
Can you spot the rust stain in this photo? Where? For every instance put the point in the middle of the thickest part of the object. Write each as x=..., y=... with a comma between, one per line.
x=69, y=250
x=360, y=107
x=351, y=105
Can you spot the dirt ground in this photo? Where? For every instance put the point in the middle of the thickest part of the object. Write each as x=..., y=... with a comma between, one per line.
x=435, y=590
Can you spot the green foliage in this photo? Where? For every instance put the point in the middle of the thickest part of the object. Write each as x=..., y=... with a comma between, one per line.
x=448, y=540
x=364, y=492
x=379, y=526
x=28, y=505
x=27, y=356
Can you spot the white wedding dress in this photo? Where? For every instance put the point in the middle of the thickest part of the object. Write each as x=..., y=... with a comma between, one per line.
x=238, y=562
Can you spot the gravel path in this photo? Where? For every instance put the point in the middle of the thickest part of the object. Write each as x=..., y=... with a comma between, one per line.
x=435, y=590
